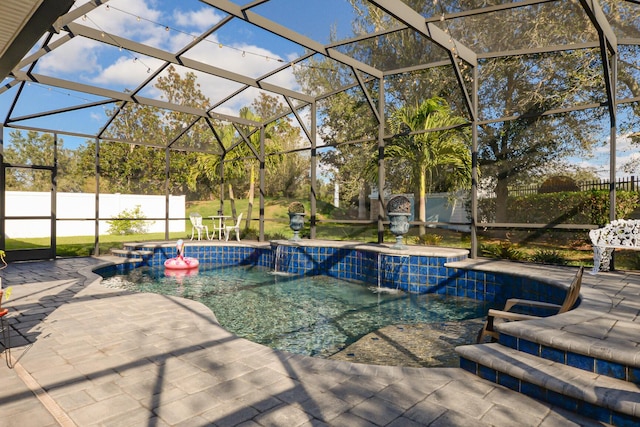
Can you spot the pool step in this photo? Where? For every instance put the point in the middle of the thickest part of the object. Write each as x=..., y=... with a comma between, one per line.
x=134, y=255
x=600, y=397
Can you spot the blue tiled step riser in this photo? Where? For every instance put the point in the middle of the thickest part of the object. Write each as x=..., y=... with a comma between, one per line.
x=576, y=360
x=540, y=393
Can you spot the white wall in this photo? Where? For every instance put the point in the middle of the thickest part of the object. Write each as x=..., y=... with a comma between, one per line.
x=82, y=206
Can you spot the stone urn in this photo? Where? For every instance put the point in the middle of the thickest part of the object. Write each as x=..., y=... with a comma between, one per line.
x=399, y=212
x=296, y=219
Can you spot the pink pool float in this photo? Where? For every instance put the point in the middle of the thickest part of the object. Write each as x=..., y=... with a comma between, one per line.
x=181, y=262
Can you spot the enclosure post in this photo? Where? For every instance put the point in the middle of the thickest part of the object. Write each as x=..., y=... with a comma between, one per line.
x=96, y=242
x=221, y=210
x=612, y=78
x=474, y=166
x=167, y=171
x=313, y=166
x=381, y=169
x=3, y=182
x=54, y=199
x=261, y=185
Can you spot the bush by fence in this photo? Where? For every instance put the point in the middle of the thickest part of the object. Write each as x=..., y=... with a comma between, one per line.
x=584, y=207
x=628, y=183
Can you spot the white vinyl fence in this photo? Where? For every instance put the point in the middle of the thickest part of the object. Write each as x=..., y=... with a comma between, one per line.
x=82, y=206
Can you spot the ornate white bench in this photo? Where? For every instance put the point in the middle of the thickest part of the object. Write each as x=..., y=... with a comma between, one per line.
x=619, y=234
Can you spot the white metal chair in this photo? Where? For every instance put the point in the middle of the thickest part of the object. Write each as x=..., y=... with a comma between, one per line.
x=236, y=227
x=197, y=225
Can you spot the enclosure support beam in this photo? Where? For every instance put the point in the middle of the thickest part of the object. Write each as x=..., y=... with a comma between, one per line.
x=167, y=182
x=313, y=167
x=474, y=166
x=381, y=169
x=612, y=77
x=261, y=185
x=96, y=214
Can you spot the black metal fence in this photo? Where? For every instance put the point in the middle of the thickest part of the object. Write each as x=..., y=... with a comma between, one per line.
x=629, y=183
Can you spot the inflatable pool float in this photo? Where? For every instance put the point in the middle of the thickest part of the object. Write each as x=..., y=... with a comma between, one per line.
x=180, y=274
x=181, y=262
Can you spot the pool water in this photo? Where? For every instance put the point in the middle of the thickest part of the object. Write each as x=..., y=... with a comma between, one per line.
x=314, y=316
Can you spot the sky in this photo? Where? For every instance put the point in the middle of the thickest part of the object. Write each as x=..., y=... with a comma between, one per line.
x=158, y=23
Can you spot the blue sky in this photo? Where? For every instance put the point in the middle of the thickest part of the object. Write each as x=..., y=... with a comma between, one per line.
x=160, y=23
x=237, y=47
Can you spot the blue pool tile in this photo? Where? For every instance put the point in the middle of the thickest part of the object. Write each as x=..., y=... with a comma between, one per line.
x=596, y=412
x=533, y=390
x=562, y=401
x=553, y=354
x=508, y=341
x=468, y=365
x=611, y=369
x=508, y=381
x=580, y=361
x=487, y=373
x=529, y=347
x=623, y=420
x=634, y=375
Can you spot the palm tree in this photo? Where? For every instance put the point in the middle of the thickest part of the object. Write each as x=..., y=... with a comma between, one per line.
x=438, y=159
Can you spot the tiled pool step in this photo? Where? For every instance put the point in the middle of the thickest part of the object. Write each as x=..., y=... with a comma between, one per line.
x=597, y=396
x=132, y=254
x=618, y=359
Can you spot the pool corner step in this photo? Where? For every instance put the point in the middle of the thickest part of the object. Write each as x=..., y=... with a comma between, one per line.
x=134, y=255
x=597, y=396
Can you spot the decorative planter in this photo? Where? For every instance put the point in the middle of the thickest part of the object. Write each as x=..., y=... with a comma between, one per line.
x=399, y=212
x=296, y=223
x=399, y=226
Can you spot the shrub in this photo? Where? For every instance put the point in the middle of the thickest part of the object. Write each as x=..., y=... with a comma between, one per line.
x=275, y=236
x=504, y=250
x=428, y=239
x=129, y=222
x=584, y=207
x=549, y=256
x=558, y=183
x=296, y=207
x=399, y=204
x=249, y=234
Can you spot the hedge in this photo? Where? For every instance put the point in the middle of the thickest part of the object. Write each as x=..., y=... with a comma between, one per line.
x=584, y=207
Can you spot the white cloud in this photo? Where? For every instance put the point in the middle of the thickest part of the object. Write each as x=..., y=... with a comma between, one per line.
x=201, y=19
x=127, y=72
x=78, y=55
x=120, y=71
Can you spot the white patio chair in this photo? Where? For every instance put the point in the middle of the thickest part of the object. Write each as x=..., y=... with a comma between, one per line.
x=236, y=227
x=197, y=225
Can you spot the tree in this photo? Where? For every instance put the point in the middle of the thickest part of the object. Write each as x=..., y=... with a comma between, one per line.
x=284, y=172
x=35, y=148
x=440, y=159
x=138, y=165
x=518, y=139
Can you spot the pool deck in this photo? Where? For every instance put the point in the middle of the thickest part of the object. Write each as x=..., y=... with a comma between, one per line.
x=87, y=355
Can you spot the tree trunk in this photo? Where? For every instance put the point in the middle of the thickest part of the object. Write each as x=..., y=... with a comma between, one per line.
x=247, y=223
x=422, y=202
x=502, y=193
x=233, y=203
x=362, y=201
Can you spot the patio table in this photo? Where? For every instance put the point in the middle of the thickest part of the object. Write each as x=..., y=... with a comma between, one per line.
x=218, y=225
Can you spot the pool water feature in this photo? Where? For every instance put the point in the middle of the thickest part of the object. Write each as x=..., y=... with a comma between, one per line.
x=309, y=315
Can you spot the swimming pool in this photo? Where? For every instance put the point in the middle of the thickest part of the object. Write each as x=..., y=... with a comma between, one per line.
x=419, y=270
x=308, y=315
